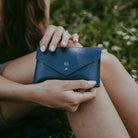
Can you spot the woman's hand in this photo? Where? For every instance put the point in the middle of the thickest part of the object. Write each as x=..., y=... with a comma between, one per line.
x=60, y=94
x=56, y=36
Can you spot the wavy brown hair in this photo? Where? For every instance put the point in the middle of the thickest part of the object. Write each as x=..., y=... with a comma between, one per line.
x=23, y=25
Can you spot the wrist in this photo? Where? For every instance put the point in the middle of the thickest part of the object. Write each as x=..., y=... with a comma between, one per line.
x=34, y=93
x=37, y=94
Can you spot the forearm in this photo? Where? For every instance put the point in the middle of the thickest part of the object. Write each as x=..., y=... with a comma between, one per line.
x=12, y=91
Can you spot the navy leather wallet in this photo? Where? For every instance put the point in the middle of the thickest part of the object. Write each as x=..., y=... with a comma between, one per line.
x=73, y=63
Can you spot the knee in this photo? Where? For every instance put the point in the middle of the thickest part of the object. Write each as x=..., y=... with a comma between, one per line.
x=109, y=65
x=108, y=60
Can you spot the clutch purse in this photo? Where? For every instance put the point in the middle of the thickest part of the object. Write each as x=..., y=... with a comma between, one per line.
x=73, y=63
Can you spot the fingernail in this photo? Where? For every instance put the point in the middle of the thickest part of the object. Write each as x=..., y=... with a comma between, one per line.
x=64, y=43
x=75, y=39
x=52, y=48
x=42, y=48
x=91, y=83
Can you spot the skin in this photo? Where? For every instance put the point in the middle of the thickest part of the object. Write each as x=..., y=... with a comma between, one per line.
x=113, y=102
x=57, y=36
x=89, y=111
x=93, y=108
x=123, y=92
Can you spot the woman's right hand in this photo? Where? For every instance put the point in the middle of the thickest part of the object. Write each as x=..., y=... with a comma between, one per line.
x=56, y=36
x=60, y=94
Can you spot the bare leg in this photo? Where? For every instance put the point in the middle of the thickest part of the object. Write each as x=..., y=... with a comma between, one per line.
x=97, y=119
x=24, y=69
x=122, y=90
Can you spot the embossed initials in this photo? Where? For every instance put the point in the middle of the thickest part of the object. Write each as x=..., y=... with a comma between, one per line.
x=66, y=63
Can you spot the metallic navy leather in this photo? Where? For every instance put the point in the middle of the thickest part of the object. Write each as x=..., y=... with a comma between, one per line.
x=73, y=63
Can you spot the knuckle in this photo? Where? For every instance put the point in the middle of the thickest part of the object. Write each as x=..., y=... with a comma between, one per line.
x=83, y=83
x=73, y=108
x=52, y=26
x=79, y=45
x=54, y=42
x=47, y=36
x=64, y=85
x=42, y=42
x=73, y=101
x=67, y=35
x=60, y=28
x=57, y=37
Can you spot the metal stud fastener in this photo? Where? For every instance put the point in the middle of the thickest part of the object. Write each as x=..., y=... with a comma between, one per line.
x=66, y=69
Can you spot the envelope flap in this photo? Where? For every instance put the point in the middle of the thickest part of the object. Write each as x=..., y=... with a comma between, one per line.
x=68, y=60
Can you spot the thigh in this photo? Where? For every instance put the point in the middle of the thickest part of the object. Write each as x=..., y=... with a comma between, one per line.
x=122, y=90
x=97, y=118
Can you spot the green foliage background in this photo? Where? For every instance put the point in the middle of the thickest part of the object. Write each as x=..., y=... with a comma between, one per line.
x=110, y=24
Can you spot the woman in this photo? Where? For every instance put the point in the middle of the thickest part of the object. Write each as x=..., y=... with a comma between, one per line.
x=110, y=114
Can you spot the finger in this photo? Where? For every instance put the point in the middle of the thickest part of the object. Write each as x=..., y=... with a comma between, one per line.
x=72, y=108
x=78, y=45
x=83, y=97
x=56, y=38
x=47, y=38
x=75, y=38
x=65, y=38
x=77, y=84
x=72, y=44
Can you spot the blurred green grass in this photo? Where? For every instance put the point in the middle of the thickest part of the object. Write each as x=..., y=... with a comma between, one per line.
x=112, y=25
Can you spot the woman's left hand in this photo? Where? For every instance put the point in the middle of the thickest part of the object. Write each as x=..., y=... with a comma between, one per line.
x=58, y=37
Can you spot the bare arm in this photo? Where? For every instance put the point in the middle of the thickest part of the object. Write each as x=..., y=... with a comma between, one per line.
x=12, y=91
x=14, y=77
x=12, y=81
x=21, y=70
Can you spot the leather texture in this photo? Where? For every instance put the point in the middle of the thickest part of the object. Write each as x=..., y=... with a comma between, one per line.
x=73, y=63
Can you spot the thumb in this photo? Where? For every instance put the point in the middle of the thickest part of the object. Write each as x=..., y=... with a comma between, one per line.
x=86, y=96
x=78, y=84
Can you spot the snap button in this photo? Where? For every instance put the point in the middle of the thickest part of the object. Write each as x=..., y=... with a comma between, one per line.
x=66, y=69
